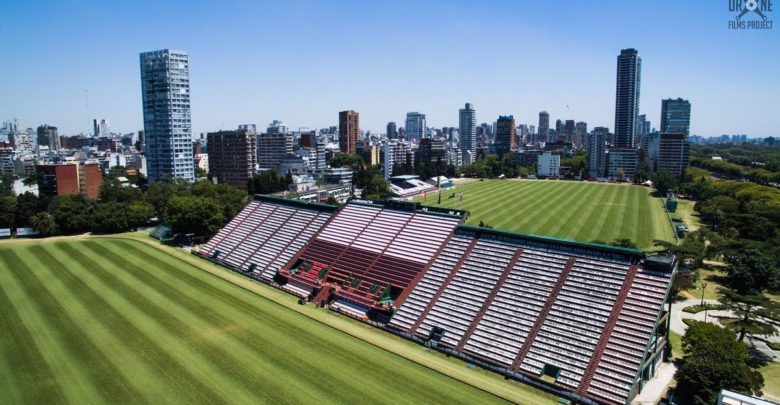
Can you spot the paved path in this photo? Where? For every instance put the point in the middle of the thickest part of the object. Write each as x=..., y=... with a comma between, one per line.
x=655, y=389
x=679, y=327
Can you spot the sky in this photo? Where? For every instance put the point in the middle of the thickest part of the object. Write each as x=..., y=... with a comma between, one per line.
x=67, y=62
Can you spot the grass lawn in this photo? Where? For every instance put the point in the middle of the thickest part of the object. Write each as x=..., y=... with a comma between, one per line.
x=584, y=211
x=112, y=320
x=689, y=216
x=676, y=341
x=712, y=276
x=771, y=373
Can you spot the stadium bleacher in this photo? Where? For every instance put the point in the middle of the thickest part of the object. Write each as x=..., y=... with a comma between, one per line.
x=266, y=235
x=582, y=314
x=371, y=253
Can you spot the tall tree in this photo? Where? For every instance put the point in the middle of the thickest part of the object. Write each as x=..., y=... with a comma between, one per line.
x=43, y=223
x=664, y=180
x=714, y=360
x=199, y=215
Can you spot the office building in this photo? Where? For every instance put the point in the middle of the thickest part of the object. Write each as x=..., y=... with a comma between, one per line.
x=675, y=116
x=642, y=125
x=568, y=131
x=548, y=165
x=272, y=148
x=544, y=127
x=232, y=157
x=580, y=134
x=415, y=126
x=467, y=130
x=629, y=71
x=165, y=91
x=597, y=152
x=47, y=136
x=349, y=128
x=392, y=131
x=506, y=135
x=276, y=127
x=69, y=179
x=622, y=163
x=670, y=151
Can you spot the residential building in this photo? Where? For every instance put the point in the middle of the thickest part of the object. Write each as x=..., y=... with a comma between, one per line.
x=629, y=72
x=349, y=128
x=597, y=152
x=415, y=126
x=548, y=165
x=395, y=153
x=69, y=179
x=232, y=157
x=165, y=91
x=568, y=131
x=675, y=116
x=337, y=175
x=467, y=131
x=47, y=136
x=433, y=150
x=272, y=148
x=506, y=135
x=544, y=127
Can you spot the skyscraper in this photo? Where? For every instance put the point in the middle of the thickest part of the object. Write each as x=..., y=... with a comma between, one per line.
x=675, y=116
x=415, y=126
x=165, y=91
x=467, y=124
x=349, y=128
x=597, y=152
x=568, y=131
x=580, y=133
x=272, y=148
x=506, y=135
x=629, y=71
x=392, y=131
x=544, y=126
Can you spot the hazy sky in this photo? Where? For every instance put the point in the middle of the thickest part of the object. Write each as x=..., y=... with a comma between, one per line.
x=302, y=62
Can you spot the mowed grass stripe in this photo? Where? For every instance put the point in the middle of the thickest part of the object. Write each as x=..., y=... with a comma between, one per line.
x=213, y=334
x=560, y=208
x=576, y=217
x=215, y=367
x=162, y=375
x=87, y=309
x=306, y=345
x=26, y=375
x=600, y=215
x=109, y=384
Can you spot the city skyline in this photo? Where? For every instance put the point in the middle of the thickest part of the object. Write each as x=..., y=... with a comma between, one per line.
x=304, y=92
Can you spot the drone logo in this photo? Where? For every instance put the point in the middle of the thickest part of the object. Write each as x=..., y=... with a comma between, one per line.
x=751, y=5
x=759, y=8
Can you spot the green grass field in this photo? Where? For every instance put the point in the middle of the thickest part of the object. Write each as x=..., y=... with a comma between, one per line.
x=108, y=320
x=581, y=211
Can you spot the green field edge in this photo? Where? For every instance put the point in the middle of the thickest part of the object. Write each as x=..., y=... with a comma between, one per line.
x=516, y=393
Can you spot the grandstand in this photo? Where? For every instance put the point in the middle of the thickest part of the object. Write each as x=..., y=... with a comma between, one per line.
x=265, y=235
x=369, y=255
x=582, y=315
x=408, y=186
x=581, y=320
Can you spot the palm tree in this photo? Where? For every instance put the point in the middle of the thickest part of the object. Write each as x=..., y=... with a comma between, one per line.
x=43, y=223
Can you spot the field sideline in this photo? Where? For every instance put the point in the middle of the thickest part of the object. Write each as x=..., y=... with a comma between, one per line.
x=583, y=211
x=145, y=324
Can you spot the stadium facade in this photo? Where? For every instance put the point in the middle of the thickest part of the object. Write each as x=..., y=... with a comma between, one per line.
x=583, y=321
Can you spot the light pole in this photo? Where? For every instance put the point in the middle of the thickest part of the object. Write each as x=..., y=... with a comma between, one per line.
x=703, y=288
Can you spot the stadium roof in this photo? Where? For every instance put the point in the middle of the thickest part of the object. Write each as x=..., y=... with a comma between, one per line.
x=549, y=239
x=296, y=203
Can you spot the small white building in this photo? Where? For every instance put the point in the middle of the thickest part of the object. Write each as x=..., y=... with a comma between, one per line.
x=548, y=165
